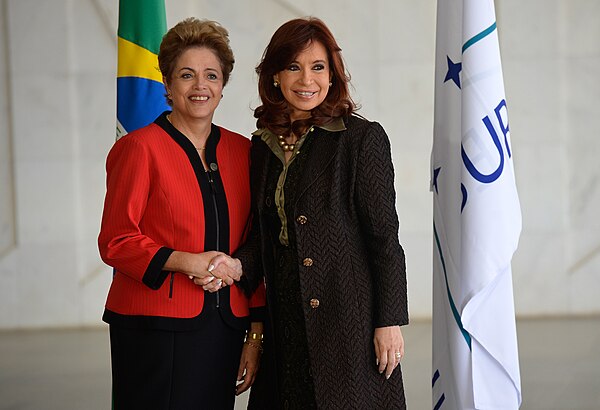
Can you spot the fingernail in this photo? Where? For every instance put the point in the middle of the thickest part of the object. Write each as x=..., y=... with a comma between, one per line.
x=387, y=376
x=211, y=267
x=191, y=277
x=377, y=362
x=210, y=279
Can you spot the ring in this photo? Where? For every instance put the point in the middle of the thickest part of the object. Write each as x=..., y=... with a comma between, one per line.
x=398, y=355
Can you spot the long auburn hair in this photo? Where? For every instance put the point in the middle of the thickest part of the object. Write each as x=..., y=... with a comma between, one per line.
x=287, y=42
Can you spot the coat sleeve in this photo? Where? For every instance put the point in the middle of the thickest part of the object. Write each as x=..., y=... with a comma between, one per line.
x=250, y=256
x=376, y=200
x=250, y=253
x=121, y=242
x=252, y=281
x=257, y=302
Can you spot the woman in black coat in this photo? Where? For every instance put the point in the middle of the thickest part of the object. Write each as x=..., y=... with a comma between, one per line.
x=324, y=235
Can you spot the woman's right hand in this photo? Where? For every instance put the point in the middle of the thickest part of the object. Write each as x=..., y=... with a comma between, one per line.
x=195, y=265
x=201, y=267
x=225, y=269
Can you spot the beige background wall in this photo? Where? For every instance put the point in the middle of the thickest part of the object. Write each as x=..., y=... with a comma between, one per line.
x=57, y=123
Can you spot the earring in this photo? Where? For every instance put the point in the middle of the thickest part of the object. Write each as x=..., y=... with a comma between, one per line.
x=330, y=83
x=276, y=84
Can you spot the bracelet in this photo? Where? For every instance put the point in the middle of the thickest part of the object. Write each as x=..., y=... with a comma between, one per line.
x=255, y=346
x=257, y=337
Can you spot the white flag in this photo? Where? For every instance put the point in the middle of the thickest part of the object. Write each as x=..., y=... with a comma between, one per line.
x=477, y=218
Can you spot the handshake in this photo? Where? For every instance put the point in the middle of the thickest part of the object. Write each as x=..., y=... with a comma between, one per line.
x=215, y=270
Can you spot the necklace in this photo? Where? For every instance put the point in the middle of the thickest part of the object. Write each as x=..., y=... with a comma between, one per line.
x=284, y=145
x=197, y=149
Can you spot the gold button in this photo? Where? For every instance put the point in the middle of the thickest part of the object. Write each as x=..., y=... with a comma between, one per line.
x=314, y=303
x=302, y=219
x=307, y=262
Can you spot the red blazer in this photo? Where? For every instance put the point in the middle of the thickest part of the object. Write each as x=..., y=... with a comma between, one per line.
x=155, y=204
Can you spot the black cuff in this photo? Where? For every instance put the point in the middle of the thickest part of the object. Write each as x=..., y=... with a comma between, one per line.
x=155, y=275
x=258, y=314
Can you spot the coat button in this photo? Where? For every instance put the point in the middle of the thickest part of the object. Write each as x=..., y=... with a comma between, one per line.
x=302, y=219
x=314, y=303
x=307, y=262
x=213, y=166
x=268, y=201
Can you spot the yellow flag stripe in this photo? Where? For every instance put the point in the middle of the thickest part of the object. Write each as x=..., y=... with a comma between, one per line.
x=136, y=61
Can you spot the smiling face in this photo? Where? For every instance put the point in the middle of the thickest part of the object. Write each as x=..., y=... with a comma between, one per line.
x=196, y=84
x=305, y=81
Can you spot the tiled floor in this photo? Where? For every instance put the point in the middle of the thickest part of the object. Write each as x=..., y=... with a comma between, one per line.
x=70, y=369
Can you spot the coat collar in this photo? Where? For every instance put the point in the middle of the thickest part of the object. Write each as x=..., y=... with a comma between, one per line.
x=326, y=140
x=323, y=151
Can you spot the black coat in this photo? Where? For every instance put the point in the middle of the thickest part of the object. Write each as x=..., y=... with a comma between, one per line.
x=350, y=263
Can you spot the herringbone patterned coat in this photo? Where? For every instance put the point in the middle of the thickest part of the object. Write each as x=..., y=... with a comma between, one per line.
x=348, y=226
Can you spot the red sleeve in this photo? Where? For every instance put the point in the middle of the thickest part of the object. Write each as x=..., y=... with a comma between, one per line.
x=121, y=242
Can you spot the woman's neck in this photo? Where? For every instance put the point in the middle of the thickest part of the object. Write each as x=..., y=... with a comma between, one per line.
x=197, y=131
x=297, y=116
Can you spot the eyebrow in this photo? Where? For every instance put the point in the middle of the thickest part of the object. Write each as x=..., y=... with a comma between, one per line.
x=314, y=62
x=191, y=69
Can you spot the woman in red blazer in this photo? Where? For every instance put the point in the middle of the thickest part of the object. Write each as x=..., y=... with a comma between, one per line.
x=177, y=196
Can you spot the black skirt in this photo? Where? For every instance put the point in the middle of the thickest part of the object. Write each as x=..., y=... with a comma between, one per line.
x=176, y=370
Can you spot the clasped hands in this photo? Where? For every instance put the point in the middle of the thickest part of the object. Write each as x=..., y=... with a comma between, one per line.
x=221, y=270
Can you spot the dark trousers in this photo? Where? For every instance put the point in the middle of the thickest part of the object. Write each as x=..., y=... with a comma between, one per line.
x=176, y=370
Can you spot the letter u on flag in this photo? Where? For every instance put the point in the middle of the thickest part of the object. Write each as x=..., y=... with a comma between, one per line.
x=477, y=217
x=140, y=91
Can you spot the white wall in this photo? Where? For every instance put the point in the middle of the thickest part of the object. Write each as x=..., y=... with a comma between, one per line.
x=57, y=123
x=552, y=67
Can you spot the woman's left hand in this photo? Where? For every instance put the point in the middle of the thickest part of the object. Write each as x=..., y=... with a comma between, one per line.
x=249, y=363
x=389, y=348
x=248, y=368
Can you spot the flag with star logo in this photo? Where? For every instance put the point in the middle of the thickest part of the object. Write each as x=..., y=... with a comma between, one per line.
x=477, y=216
x=140, y=91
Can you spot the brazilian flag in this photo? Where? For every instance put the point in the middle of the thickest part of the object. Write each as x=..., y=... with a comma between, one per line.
x=140, y=91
